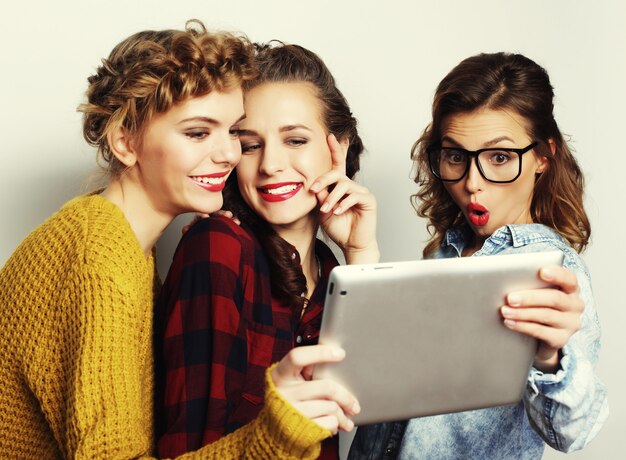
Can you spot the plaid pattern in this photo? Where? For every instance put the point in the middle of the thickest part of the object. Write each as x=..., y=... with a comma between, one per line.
x=217, y=330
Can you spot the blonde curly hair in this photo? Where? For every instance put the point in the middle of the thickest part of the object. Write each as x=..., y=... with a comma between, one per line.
x=151, y=71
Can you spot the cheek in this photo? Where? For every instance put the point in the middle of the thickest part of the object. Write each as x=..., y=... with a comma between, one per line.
x=316, y=162
x=455, y=190
x=246, y=172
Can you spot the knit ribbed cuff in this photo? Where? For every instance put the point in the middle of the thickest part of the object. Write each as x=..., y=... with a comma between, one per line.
x=291, y=433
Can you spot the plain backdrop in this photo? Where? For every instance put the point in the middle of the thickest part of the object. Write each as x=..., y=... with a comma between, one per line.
x=387, y=58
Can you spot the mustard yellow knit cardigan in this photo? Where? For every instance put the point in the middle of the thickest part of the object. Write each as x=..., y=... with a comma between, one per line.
x=76, y=368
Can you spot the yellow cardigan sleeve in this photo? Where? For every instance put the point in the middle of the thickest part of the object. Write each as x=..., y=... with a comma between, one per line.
x=108, y=351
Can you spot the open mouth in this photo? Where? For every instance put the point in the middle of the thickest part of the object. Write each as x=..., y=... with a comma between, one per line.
x=211, y=182
x=279, y=192
x=477, y=214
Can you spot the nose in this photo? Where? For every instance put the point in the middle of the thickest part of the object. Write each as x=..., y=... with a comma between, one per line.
x=274, y=159
x=473, y=179
x=227, y=150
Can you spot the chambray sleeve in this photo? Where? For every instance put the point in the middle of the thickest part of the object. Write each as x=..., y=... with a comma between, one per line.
x=568, y=408
x=199, y=310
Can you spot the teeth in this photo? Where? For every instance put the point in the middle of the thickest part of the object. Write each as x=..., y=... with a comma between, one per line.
x=209, y=180
x=280, y=190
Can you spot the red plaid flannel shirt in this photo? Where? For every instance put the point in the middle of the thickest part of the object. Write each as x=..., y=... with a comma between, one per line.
x=217, y=330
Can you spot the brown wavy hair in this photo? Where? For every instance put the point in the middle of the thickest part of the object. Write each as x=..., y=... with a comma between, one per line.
x=281, y=63
x=151, y=71
x=503, y=81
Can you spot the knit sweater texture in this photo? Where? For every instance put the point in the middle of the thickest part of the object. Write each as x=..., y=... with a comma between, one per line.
x=76, y=366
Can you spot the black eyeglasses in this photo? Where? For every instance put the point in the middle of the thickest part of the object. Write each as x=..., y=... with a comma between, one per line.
x=499, y=165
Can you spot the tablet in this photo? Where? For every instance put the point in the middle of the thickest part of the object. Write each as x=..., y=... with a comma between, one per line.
x=426, y=337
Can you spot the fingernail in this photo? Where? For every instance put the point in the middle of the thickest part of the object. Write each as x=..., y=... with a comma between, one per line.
x=338, y=352
x=514, y=300
x=316, y=187
x=356, y=407
x=507, y=311
x=324, y=207
x=509, y=323
x=338, y=210
x=546, y=274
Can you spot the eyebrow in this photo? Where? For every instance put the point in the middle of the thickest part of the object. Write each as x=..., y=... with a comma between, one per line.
x=208, y=120
x=282, y=129
x=292, y=127
x=487, y=144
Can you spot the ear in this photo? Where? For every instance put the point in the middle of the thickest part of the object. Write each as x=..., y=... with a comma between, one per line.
x=345, y=144
x=543, y=161
x=121, y=145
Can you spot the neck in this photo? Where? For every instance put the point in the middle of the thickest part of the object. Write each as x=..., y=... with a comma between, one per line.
x=144, y=218
x=476, y=243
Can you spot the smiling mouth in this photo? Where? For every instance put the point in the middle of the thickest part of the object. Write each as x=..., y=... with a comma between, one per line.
x=279, y=190
x=209, y=180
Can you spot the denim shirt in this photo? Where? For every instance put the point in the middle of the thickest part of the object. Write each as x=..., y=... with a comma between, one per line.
x=564, y=410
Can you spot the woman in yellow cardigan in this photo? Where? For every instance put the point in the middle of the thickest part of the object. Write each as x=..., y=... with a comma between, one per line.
x=76, y=368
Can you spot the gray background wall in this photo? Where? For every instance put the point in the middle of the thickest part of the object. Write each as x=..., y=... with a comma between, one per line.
x=387, y=58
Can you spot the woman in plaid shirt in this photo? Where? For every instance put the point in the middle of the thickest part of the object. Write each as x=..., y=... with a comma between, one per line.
x=238, y=298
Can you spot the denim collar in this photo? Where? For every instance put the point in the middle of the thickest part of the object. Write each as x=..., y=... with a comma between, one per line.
x=516, y=235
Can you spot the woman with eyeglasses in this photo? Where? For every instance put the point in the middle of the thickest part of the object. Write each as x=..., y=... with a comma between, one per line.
x=497, y=177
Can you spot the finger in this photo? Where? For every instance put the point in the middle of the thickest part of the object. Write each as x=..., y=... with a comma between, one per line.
x=362, y=201
x=546, y=316
x=547, y=297
x=322, y=390
x=554, y=338
x=291, y=366
x=326, y=180
x=560, y=277
x=342, y=189
x=327, y=414
x=223, y=212
x=329, y=422
x=338, y=153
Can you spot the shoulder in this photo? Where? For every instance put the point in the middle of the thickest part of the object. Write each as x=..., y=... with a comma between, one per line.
x=539, y=238
x=217, y=241
x=60, y=239
x=217, y=233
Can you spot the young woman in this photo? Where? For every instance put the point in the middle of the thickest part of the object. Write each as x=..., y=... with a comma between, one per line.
x=497, y=177
x=238, y=298
x=76, y=373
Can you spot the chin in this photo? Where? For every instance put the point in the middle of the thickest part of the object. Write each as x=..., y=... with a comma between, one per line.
x=209, y=206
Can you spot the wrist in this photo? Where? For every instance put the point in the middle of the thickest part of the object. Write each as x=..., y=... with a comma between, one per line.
x=548, y=364
x=367, y=255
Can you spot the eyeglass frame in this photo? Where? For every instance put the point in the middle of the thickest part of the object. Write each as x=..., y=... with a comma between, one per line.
x=474, y=154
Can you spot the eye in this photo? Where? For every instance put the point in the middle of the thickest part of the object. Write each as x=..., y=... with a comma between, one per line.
x=499, y=157
x=250, y=147
x=453, y=157
x=197, y=134
x=296, y=141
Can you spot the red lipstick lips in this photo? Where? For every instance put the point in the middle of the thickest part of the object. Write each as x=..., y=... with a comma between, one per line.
x=477, y=214
x=211, y=182
x=279, y=192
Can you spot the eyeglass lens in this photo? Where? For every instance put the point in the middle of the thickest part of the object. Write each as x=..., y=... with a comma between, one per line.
x=495, y=164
